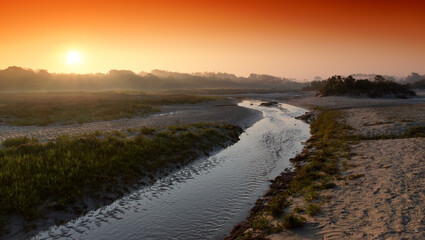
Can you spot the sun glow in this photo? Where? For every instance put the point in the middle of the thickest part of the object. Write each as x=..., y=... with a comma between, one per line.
x=73, y=58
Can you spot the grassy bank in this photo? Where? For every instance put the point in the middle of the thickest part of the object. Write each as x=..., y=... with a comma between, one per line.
x=37, y=178
x=42, y=109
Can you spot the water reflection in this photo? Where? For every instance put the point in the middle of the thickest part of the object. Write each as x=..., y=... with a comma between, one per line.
x=203, y=200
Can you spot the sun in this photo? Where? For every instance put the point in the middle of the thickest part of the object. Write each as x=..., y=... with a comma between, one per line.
x=73, y=58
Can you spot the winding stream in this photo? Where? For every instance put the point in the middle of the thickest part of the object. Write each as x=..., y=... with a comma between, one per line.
x=205, y=199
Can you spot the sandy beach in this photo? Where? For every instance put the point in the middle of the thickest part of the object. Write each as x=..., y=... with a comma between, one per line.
x=387, y=199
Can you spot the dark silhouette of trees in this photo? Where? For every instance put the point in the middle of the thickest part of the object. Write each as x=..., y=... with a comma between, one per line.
x=380, y=87
x=418, y=84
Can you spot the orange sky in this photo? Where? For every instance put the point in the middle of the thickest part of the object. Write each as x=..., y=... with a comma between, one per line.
x=295, y=39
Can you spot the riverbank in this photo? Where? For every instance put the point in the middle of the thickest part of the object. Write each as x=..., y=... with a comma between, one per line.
x=198, y=201
x=376, y=190
x=179, y=144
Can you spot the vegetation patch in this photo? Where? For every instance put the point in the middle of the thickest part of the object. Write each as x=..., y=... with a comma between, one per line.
x=38, y=177
x=260, y=223
x=312, y=209
x=290, y=221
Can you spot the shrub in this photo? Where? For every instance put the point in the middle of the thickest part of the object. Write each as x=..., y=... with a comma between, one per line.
x=312, y=209
x=309, y=196
x=260, y=223
x=147, y=130
x=277, y=204
x=292, y=221
x=298, y=210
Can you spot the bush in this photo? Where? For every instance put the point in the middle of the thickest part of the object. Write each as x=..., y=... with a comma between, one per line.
x=147, y=130
x=277, y=204
x=312, y=209
x=292, y=221
x=260, y=223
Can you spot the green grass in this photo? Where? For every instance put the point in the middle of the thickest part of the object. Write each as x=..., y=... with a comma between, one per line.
x=277, y=204
x=312, y=209
x=42, y=109
x=328, y=145
x=57, y=175
x=260, y=223
x=12, y=142
x=290, y=221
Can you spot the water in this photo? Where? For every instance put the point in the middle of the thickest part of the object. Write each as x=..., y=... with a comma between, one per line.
x=205, y=199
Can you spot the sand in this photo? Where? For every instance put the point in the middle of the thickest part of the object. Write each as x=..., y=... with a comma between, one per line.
x=388, y=200
x=215, y=111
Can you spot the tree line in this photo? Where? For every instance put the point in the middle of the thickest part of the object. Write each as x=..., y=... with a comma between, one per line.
x=379, y=87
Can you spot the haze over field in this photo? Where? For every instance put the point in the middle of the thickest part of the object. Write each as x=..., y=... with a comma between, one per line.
x=301, y=39
x=19, y=79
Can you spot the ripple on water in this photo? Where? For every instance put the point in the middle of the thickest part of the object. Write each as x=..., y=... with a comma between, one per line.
x=205, y=199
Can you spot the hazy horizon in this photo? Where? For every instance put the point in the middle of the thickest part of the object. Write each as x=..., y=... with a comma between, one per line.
x=301, y=40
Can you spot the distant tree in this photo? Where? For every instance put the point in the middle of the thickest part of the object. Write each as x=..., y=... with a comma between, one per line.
x=379, y=78
x=418, y=84
x=338, y=85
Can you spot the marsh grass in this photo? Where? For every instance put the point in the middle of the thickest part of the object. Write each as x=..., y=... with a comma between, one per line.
x=277, y=204
x=312, y=209
x=24, y=109
x=290, y=221
x=260, y=223
x=35, y=177
x=11, y=142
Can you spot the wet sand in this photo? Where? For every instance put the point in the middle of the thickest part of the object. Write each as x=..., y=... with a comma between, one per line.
x=388, y=200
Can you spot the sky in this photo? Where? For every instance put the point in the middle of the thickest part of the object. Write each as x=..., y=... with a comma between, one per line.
x=294, y=39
